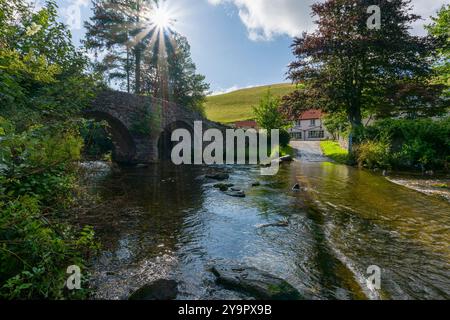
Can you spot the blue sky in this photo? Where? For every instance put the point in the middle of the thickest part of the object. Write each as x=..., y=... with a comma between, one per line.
x=237, y=43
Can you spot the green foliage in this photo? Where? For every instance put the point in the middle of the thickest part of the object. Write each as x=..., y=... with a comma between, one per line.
x=149, y=120
x=333, y=150
x=159, y=64
x=38, y=162
x=97, y=142
x=336, y=124
x=373, y=154
x=287, y=151
x=35, y=253
x=347, y=67
x=285, y=138
x=402, y=143
x=266, y=113
x=43, y=76
x=440, y=30
x=43, y=86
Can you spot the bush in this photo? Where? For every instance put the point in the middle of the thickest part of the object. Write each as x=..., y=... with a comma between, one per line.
x=285, y=138
x=373, y=154
x=44, y=84
x=37, y=178
x=38, y=162
x=405, y=144
x=35, y=253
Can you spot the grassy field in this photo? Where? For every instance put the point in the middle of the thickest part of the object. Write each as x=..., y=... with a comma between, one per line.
x=238, y=105
x=334, y=151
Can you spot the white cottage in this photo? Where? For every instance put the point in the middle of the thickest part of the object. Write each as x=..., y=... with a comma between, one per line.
x=309, y=127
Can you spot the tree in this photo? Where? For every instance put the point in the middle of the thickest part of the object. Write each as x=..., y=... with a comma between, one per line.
x=157, y=58
x=174, y=78
x=336, y=124
x=266, y=113
x=113, y=27
x=440, y=30
x=43, y=85
x=43, y=76
x=348, y=67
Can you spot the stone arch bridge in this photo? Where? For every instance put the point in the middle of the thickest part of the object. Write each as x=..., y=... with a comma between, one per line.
x=141, y=126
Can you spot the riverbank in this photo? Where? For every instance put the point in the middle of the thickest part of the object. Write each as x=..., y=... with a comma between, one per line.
x=334, y=151
x=439, y=187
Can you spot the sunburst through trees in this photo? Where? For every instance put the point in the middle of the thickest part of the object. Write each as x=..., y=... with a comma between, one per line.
x=141, y=50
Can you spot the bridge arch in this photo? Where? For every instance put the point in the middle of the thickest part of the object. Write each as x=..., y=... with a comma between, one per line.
x=126, y=112
x=165, y=144
x=124, y=144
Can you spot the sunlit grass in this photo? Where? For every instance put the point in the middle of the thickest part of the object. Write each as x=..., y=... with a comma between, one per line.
x=334, y=151
x=238, y=105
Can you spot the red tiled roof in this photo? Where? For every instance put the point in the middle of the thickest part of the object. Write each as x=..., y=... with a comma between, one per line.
x=311, y=114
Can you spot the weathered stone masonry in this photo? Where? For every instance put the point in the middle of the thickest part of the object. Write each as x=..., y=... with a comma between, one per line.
x=137, y=123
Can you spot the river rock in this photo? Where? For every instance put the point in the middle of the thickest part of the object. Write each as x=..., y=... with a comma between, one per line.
x=287, y=158
x=236, y=194
x=223, y=186
x=218, y=176
x=158, y=290
x=256, y=184
x=282, y=223
x=254, y=282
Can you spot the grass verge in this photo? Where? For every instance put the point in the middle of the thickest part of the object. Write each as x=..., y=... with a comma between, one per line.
x=334, y=151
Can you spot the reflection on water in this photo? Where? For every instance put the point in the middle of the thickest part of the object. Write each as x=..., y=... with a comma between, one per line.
x=171, y=220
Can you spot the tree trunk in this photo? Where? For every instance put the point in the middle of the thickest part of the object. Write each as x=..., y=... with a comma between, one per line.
x=137, y=54
x=355, y=118
x=128, y=70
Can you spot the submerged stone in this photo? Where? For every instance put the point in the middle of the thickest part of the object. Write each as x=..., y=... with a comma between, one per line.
x=287, y=158
x=158, y=290
x=218, y=176
x=282, y=223
x=236, y=194
x=254, y=282
x=223, y=186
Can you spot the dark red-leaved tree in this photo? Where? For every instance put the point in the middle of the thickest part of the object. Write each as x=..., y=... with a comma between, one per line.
x=347, y=66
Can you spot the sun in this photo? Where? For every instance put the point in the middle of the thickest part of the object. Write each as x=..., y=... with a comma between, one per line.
x=161, y=17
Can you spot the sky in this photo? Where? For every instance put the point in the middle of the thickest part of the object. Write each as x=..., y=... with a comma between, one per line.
x=237, y=43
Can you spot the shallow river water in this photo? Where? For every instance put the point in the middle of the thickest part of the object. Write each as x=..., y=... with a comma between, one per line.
x=170, y=222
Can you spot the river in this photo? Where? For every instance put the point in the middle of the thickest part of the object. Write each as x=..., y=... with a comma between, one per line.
x=170, y=222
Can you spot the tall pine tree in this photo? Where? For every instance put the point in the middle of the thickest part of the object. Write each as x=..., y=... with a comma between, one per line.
x=154, y=61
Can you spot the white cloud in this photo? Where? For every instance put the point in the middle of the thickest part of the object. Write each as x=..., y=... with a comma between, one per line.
x=266, y=19
x=426, y=9
x=224, y=91
x=231, y=89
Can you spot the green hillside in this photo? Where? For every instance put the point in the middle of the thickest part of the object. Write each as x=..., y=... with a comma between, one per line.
x=238, y=105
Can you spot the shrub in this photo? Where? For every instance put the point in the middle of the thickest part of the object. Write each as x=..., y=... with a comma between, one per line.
x=373, y=154
x=285, y=138
x=35, y=253
x=405, y=144
x=37, y=178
